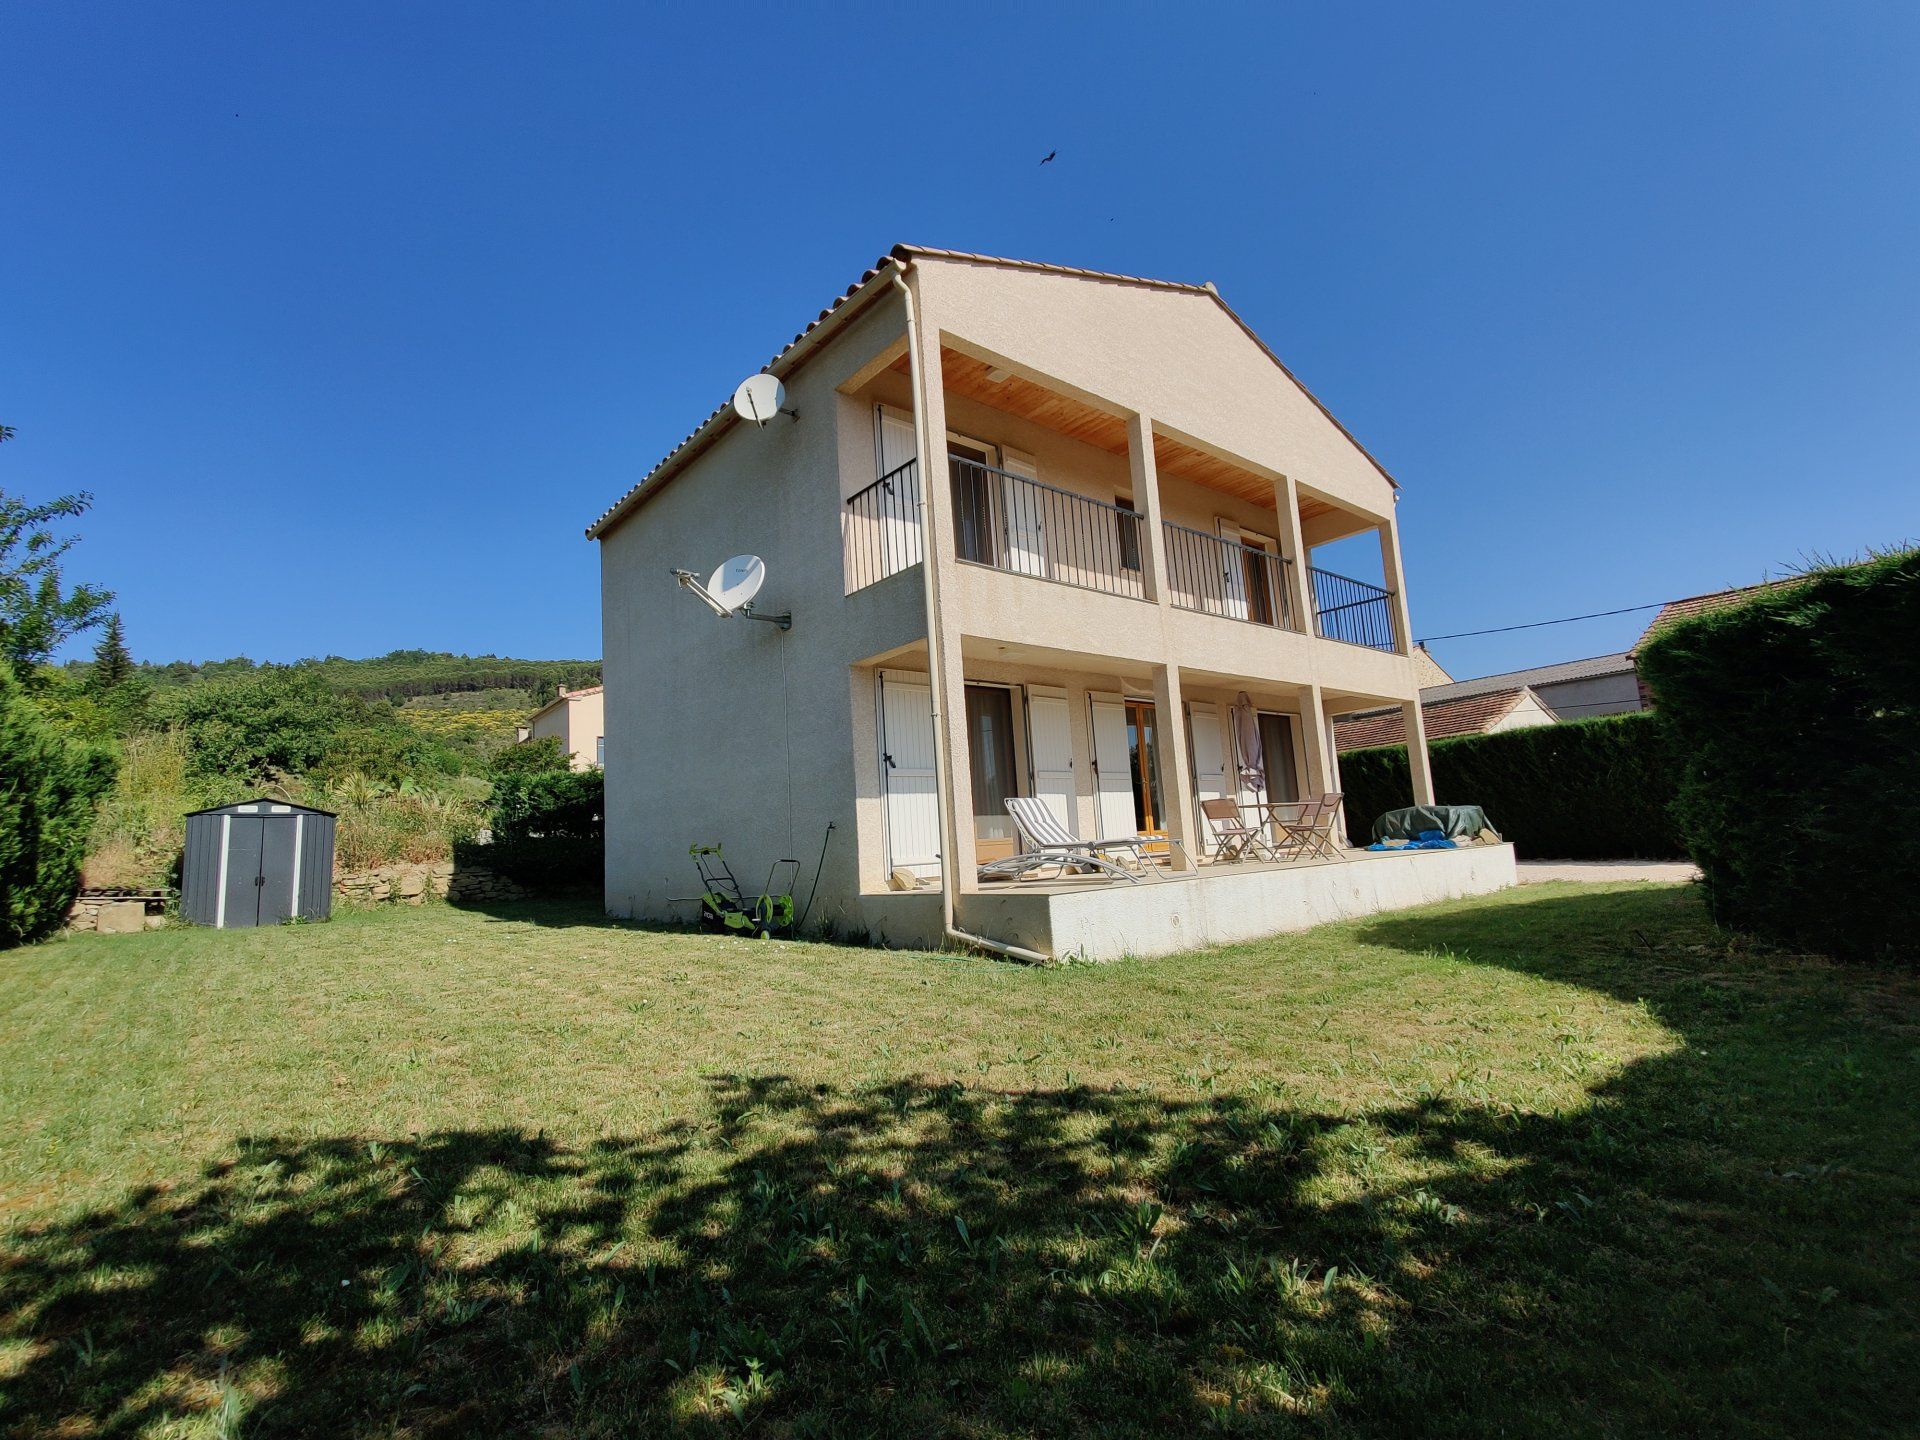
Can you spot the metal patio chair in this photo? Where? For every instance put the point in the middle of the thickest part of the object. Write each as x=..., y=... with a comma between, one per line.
x=1233, y=838
x=1309, y=834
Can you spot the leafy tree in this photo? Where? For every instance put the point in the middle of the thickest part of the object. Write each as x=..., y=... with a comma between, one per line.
x=50, y=783
x=531, y=757
x=255, y=727
x=112, y=664
x=36, y=615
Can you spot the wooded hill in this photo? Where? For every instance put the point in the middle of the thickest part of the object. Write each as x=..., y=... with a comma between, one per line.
x=401, y=675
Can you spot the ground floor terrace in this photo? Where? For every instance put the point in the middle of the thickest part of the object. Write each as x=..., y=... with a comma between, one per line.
x=1115, y=750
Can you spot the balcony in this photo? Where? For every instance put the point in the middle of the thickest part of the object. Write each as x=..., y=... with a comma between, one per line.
x=881, y=533
x=1011, y=522
x=1352, y=611
x=1217, y=576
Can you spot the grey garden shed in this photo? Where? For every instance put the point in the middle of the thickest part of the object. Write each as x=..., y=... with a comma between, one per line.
x=257, y=862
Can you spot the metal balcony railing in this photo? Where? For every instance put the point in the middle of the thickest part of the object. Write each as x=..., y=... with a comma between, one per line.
x=1017, y=524
x=881, y=531
x=1217, y=576
x=1352, y=611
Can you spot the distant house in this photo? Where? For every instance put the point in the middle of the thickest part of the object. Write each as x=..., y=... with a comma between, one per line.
x=577, y=719
x=1571, y=690
x=1482, y=713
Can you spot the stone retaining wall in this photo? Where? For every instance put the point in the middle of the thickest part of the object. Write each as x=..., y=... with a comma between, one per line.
x=412, y=884
x=111, y=916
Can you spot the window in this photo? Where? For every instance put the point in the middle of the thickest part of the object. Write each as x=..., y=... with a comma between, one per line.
x=600, y=751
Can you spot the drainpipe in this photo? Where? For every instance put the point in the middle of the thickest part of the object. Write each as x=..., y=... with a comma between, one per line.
x=936, y=667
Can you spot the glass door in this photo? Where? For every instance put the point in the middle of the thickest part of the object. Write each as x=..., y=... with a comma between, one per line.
x=991, y=755
x=976, y=508
x=1144, y=758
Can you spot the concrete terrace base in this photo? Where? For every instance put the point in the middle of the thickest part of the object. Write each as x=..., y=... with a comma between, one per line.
x=1219, y=906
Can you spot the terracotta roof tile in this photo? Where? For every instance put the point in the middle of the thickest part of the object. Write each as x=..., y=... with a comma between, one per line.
x=1465, y=715
x=1700, y=604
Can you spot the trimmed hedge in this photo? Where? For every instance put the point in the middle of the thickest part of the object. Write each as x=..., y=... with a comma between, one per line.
x=1795, y=721
x=1595, y=789
x=549, y=804
x=50, y=785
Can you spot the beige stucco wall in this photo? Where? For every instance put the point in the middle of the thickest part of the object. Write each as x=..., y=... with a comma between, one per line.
x=723, y=730
x=577, y=722
x=1201, y=376
x=1527, y=711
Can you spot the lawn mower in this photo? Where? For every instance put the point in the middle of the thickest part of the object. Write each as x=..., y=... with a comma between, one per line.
x=725, y=910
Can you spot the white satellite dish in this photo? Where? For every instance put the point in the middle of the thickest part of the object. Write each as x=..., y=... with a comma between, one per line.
x=761, y=397
x=729, y=591
x=737, y=581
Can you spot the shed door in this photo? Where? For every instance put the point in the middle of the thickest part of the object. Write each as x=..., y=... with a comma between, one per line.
x=279, y=880
x=1050, y=751
x=240, y=871
x=907, y=771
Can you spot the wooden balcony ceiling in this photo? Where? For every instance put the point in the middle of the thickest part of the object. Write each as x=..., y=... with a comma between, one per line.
x=1079, y=421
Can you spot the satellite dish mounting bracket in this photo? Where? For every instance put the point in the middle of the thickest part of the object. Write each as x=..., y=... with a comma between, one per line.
x=732, y=601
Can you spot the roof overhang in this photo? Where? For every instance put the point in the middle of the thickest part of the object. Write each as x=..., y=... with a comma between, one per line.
x=862, y=294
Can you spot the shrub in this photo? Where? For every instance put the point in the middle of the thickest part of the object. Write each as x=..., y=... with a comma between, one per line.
x=253, y=727
x=1584, y=789
x=551, y=866
x=530, y=757
x=552, y=804
x=142, y=824
x=1795, y=721
x=409, y=823
x=49, y=785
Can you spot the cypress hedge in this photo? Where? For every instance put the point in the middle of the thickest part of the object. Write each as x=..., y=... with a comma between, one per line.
x=50, y=785
x=1795, y=721
x=1596, y=789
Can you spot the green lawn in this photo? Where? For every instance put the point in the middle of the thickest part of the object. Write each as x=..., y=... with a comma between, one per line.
x=1556, y=1163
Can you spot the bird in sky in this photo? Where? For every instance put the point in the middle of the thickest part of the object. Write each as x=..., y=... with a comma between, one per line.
x=1050, y=155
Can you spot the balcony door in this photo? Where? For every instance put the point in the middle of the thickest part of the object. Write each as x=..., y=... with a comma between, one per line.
x=977, y=502
x=1251, y=577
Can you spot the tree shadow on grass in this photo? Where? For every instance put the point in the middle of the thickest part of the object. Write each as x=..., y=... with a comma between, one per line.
x=917, y=1258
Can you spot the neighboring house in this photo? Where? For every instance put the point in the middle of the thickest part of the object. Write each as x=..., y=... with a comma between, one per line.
x=1695, y=605
x=1120, y=489
x=577, y=719
x=1571, y=690
x=1514, y=708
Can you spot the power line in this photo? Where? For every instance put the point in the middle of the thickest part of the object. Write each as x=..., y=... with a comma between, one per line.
x=1536, y=624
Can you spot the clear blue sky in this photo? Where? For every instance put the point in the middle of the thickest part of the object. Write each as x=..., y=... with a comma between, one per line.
x=1627, y=296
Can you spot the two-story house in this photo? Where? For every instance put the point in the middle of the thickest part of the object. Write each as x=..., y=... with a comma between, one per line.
x=577, y=719
x=1043, y=532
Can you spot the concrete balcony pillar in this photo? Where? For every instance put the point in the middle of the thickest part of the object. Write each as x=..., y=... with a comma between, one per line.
x=1146, y=501
x=1286, y=504
x=1176, y=775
